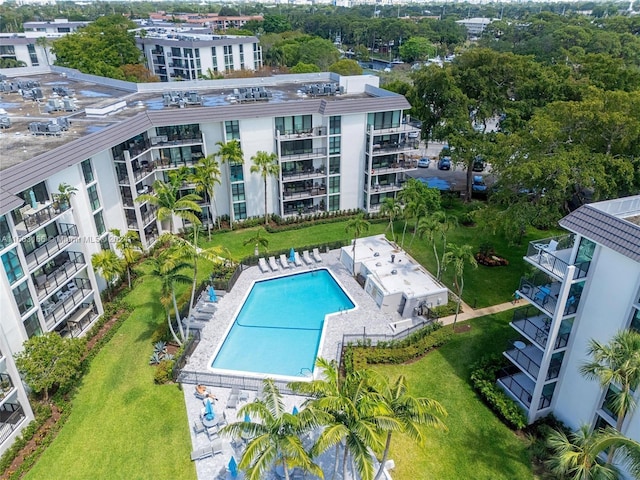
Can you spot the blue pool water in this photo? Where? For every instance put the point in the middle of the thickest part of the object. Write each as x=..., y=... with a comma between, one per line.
x=279, y=326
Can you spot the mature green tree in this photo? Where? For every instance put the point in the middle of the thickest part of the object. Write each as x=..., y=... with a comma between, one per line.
x=390, y=207
x=301, y=67
x=130, y=248
x=417, y=49
x=49, y=360
x=231, y=154
x=206, y=176
x=258, y=241
x=166, y=196
x=358, y=225
x=275, y=435
x=266, y=164
x=319, y=51
x=577, y=456
x=459, y=256
x=108, y=265
x=616, y=366
x=273, y=23
x=346, y=67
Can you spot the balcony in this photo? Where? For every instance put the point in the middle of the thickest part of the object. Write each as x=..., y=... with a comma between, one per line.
x=6, y=386
x=393, y=167
x=138, y=174
x=290, y=194
x=295, y=134
x=520, y=387
x=553, y=256
x=304, y=154
x=67, y=301
x=68, y=233
x=149, y=216
x=79, y=321
x=545, y=296
x=381, y=188
x=301, y=172
x=34, y=218
x=11, y=416
x=67, y=265
x=394, y=147
x=529, y=322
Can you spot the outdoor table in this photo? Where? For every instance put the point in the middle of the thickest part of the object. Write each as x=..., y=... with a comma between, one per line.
x=209, y=423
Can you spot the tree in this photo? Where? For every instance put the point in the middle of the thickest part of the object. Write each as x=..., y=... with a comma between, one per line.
x=346, y=67
x=408, y=412
x=301, y=67
x=430, y=227
x=231, y=154
x=45, y=44
x=390, y=208
x=258, y=240
x=166, y=196
x=616, y=365
x=206, y=176
x=49, y=360
x=417, y=48
x=459, y=256
x=577, y=456
x=108, y=265
x=358, y=225
x=130, y=247
x=266, y=164
x=275, y=436
x=275, y=23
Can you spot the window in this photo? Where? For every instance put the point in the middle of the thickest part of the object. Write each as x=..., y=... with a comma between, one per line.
x=87, y=170
x=295, y=124
x=257, y=57
x=232, y=128
x=380, y=120
x=334, y=203
x=334, y=184
x=5, y=234
x=23, y=297
x=228, y=58
x=241, y=57
x=334, y=165
x=104, y=243
x=296, y=147
x=99, y=223
x=607, y=404
x=334, y=125
x=635, y=321
x=240, y=211
x=33, y=55
x=237, y=192
x=334, y=145
x=94, y=201
x=214, y=59
x=32, y=325
x=12, y=266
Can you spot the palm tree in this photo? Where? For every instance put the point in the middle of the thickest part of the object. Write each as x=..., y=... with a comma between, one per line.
x=108, y=265
x=206, y=176
x=430, y=227
x=408, y=412
x=266, y=164
x=275, y=437
x=166, y=196
x=391, y=208
x=231, y=154
x=359, y=226
x=129, y=246
x=45, y=44
x=577, y=456
x=258, y=240
x=459, y=257
x=617, y=364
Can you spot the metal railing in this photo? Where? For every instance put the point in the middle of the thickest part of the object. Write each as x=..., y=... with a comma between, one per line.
x=517, y=390
x=373, y=339
x=60, y=275
x=68, y=233
x=59, y=310
x=520, y=358
x=309, y=192
x=522, y=320
x=538, y=252
x=11, y=423
x=312, y=152
x=32, y=222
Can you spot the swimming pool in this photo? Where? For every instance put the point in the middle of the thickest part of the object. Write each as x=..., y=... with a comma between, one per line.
x=279, y=327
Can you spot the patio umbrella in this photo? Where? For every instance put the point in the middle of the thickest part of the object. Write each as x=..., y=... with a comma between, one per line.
x=212, y=294
x=295, y=410
x=208, y=410
x=292, y=255
x=32, y=197
x=233, y=467
x=247, y=418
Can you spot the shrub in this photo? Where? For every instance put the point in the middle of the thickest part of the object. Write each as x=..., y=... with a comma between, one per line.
x=483, y=379
x=163, y=372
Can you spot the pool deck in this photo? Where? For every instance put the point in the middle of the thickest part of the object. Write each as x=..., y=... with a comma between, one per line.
x=366, y=317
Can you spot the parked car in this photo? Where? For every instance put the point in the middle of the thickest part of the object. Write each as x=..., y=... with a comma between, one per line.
x=413, y=134
x=478, y=164
x=478, y=184
x=444, y=163
x=424, y=163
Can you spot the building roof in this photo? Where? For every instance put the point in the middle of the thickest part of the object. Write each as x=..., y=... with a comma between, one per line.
x=614, y=224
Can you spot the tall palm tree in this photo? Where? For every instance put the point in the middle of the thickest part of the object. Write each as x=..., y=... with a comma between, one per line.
x=275, y=437
x=258, y=240
x=45, y=44
x=429, y=227
x=130, y=247
x=409, y=196
x=108, y=265
x=616, y=363
x=358, y=225
x=390, y=208
x=408, y=412
x=206, y=176
x=266, y=164
x=577, y=456
x=231, y=154
x=459, y=256
x=166, y=196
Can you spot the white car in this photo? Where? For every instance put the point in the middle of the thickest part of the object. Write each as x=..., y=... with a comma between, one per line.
x=413, y=134
x=424, y=163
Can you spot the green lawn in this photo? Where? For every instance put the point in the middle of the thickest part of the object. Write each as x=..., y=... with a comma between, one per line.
x=477, y=445
x=122, y=425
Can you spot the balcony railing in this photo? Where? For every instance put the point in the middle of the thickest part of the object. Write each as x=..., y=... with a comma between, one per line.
x=34, y=218
x=47, y=283
x=67, y=302
x=308, y=192
x=394, y=147
x=524, y=358
x=79, y=321
x=148, y=216
x=311, y=132
x=68, y=233
x=384, y=188
x=535, y=325
x=6, y=386
x=395, y=166
x=514, y=382
x=11, y=416
x=310, y=153
x=553, y=255
x=546, y=296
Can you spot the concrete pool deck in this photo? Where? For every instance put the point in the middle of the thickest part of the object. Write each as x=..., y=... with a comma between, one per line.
x=366, y=317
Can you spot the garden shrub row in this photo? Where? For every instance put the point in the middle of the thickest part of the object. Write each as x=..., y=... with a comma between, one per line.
x=483, y=379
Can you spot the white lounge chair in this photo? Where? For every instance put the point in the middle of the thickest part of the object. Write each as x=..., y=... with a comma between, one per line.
x=316, y=255
x=296, y=260
x=273, y=264
x=306, y=257
x=262, y=263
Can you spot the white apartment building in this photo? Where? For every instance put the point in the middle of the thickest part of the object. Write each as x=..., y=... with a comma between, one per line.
x=585, y=285
x=180, y=54
x=339, y=141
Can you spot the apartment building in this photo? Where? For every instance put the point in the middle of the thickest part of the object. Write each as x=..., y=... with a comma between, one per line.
x=75, y=169
x=181, y=54
x=583, y=285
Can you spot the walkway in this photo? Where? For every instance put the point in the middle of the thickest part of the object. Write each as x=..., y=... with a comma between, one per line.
x=469, y=313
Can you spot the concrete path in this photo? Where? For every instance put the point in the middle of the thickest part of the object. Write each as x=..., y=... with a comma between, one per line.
x=469, y=313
